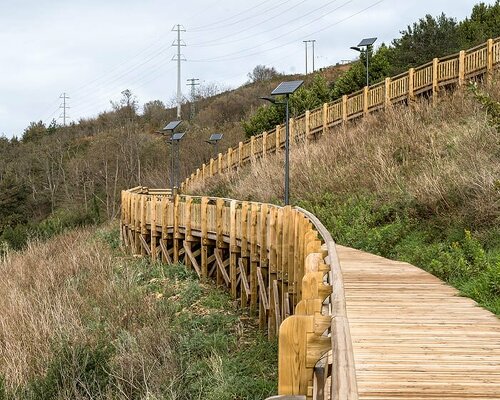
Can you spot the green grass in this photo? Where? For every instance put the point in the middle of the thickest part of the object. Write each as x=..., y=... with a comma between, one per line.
x=396, y=229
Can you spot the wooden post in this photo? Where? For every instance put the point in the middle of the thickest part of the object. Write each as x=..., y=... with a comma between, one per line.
x=212, y=167
x=308, y=124
x=365, y=100
x=164, y=230
x=264, y=267
x=244, y=253
x=144, y=230
x=219, y=165
x=461, y=68
x=204, y=238
x=240, y=154
x=233, y=249
x=187, y=230
x=344, y=108
x=154, y=233
x=229, y=158
x=176, y=233
x=254, y=258
x=387, y=97
x=325, y=117
x=264, y=144
x=291, y=130
x=411, y=84
x=252, y=147
x=435, y=82
x=219, y=210
x=272, y=321
x=278, y=138
x=489, y=62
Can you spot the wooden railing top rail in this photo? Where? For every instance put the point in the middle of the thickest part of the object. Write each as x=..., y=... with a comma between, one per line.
x=424, y=78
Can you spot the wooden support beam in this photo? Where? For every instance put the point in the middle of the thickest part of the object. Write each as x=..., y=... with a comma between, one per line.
x=222, y=267
x=244, y=279
x=145, y=245
x=192, y=258
x=166, y=254
x=262, y=289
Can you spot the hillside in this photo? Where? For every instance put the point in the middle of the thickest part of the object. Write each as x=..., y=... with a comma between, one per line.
x=80, y=320
x=418, y=184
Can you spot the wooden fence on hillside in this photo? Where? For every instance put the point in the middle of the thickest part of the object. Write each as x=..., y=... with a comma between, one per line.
x=280, y=262
x=428, y=79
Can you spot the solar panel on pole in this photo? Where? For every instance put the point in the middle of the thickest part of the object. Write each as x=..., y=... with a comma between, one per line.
x=285, y=88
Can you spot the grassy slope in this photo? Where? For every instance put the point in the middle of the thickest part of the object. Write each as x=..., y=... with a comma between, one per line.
x=82, y=321
x=418, y=184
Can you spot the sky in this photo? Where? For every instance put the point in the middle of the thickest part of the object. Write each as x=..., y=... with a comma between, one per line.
x=92, y=50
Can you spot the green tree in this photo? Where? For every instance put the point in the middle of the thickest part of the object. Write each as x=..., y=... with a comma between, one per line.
x=428, y=38
x=483, y=24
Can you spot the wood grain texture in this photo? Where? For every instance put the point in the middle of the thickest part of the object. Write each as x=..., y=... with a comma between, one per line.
x=414, y=337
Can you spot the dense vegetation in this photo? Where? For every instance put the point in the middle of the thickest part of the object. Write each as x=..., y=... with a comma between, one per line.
x=82, y=321
x=418, y=184
x=419, y=43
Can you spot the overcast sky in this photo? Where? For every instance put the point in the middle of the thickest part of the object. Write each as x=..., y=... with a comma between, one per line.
x=94, y=49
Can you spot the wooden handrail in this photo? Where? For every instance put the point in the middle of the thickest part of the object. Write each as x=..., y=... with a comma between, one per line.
x=453, y=69
x=281, y=262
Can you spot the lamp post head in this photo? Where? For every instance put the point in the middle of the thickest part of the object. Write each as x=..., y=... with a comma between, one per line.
x=355, y=48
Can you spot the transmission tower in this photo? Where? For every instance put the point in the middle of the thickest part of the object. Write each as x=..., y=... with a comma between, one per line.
x=306, y=42
x=178, y=57
x=64, y=106
x=193, y=82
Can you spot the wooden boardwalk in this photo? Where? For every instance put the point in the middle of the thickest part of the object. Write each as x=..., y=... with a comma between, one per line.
x=414, y=337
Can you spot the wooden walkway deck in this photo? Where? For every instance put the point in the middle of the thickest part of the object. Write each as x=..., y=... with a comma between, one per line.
x=414, y=337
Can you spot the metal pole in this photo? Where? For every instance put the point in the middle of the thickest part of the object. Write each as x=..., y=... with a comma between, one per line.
x=287, y=155
x=305, y=42
x=314, y=41
x=172, y=166
x=216, y=149
x=367, y=65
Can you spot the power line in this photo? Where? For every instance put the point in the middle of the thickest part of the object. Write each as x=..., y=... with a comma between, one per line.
x=208, y=26
x=224, y=59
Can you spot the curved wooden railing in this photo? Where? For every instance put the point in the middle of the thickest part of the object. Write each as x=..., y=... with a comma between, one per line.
x=427, y=79
x=280, y=262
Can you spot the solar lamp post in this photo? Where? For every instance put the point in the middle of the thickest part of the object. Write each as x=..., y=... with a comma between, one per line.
x=214, y=140
x=174, y=140
x=285, y=89
x=366, y=43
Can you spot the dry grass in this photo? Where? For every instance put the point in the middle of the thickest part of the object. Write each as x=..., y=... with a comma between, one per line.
x=65, y=294
x=444, y=158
